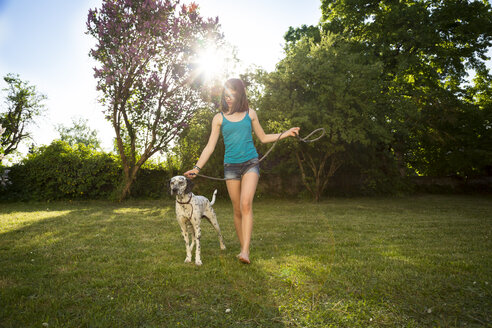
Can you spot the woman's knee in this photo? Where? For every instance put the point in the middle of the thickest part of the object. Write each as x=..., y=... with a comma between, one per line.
x=246, y=207
x=237, y=212
x=236, y=209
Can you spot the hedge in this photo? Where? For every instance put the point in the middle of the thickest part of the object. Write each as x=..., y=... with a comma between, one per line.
x=58, y=171
x=61, y=172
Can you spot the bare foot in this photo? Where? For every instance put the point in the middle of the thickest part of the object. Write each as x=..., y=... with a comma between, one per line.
x=244, y=258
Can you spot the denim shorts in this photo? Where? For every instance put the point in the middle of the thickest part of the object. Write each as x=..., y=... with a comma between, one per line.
x=237, y=170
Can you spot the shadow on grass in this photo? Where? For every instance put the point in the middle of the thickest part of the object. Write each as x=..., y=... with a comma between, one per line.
x=395, y=263
x=106, y=265
x=346, y=263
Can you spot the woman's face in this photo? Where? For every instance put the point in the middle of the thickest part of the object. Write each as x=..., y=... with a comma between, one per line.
x=230, y=96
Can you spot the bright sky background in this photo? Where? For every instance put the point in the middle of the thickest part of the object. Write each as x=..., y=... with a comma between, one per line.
x=44, y=42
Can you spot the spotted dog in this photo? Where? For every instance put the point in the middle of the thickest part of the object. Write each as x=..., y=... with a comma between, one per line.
x=189, y=212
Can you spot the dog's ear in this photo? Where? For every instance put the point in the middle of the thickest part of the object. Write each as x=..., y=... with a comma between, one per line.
x=189, y=186
x=169, y=190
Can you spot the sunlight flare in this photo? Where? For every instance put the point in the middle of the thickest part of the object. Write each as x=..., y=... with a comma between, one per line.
x=212, y=63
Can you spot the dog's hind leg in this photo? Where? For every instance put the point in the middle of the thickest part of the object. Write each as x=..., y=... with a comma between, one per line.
x=212, y=218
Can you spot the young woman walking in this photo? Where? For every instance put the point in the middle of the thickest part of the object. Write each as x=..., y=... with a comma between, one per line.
x=241, y=168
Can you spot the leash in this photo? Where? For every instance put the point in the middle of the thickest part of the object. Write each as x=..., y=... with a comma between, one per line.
x=305, y=139
x=187, y=203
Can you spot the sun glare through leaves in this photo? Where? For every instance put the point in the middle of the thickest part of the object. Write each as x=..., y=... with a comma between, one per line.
x=213, y=64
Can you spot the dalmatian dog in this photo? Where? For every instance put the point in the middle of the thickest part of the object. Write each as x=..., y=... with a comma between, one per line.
x=190, y=209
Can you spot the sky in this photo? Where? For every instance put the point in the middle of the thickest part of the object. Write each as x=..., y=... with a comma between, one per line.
x=44, y=41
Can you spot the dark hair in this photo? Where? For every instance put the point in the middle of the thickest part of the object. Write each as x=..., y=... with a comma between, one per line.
x=240, y=102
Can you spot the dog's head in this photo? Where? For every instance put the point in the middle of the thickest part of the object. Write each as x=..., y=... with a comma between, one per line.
x=180, y=185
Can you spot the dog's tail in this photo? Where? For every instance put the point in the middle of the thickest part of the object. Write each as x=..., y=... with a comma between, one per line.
x=213, y=197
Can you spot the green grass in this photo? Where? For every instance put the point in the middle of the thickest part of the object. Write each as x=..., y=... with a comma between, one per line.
x=368, y=262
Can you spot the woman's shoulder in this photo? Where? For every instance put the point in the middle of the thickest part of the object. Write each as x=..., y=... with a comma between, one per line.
x=217, y=118
x=252, y=114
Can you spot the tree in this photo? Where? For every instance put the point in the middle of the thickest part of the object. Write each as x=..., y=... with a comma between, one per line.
x=192, y=142
x=466, y=149
x=427, y=48
x=2, y=152
x=79, y=133
x=23, y=105
x=446, y=36
x=323, y=85
x=145, y=49
x=4, y=178
x=295, y=34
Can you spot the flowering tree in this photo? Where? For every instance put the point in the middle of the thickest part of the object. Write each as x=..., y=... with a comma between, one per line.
x=145, y=50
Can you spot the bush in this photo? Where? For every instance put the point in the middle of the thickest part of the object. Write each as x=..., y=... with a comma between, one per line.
x=59, y=171
x=152, y=180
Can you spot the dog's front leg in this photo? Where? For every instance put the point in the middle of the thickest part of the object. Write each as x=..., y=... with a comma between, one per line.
x=195, y=221
x=184, y=232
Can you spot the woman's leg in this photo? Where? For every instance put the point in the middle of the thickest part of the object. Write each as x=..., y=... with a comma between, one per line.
x=234, y=189
x=248, y=188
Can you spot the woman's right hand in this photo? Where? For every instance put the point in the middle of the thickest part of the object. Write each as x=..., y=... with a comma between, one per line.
x=191, y=174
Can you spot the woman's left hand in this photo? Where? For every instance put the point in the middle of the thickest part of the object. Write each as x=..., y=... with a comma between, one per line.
x=293, y=132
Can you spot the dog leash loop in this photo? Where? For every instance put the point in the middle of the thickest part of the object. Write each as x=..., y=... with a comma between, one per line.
x=306, y=138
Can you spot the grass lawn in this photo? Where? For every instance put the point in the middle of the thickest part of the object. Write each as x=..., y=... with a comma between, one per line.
x=423, y=261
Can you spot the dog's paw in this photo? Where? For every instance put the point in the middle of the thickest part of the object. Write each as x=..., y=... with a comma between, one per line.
x=222, y=247
x=187, y=260
x=198, y=262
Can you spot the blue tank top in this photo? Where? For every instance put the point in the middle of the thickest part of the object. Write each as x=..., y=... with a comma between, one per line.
x=238, y=141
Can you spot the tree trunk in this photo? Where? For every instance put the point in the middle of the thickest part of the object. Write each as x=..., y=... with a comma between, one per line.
x=303, y=175
x=401, y=163
x=130, y=175
x=126, y=189
x=320, y=177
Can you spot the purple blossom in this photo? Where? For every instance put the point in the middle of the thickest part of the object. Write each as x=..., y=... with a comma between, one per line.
x=137, y=43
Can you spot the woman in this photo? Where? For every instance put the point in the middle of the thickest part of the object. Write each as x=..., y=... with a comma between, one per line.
x=235, y=121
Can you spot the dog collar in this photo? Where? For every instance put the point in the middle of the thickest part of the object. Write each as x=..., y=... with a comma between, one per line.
x=182, y=203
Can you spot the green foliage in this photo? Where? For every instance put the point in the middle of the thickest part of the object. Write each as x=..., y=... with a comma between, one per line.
x=329, y=85
x=4, y=180
x=23, y=105
x=145, y=52
x=59, y=171
x=368, y=170
x=79, y=132
x=427, y=49
x=153, y=179
x=423, y=36
x=457, y=138
x=191, y=144
x=295, y=34
x=460, y=146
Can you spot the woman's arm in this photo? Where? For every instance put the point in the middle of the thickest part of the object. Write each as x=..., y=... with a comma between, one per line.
x=266, y=138
x=209, y=148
